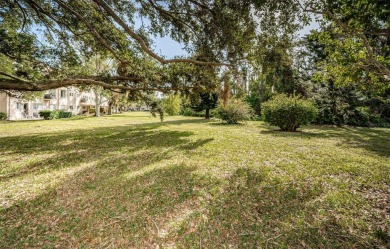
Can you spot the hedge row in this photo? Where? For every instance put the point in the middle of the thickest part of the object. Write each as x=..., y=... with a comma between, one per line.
x=47, y=114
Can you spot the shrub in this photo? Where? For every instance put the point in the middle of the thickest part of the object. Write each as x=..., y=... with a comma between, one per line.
x=47, y=114
x=236, y=111
x=289, y=113
x=200, y=114
x=172, y=104
x=187, y=112
x=63, y=114
x=3, y=116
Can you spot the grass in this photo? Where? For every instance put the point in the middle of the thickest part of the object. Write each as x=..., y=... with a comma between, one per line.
x=129, y=181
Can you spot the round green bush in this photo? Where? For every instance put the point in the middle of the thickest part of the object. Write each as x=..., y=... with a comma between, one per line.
x=289, y=113
x=235, y=112
x=3, y=116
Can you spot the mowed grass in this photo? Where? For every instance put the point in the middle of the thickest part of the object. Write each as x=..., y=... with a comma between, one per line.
x=129, y=181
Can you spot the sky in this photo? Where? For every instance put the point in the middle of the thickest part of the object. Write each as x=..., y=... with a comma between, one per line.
x=167, y=47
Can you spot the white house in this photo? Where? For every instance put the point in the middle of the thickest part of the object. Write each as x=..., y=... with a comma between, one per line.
x=69, y=99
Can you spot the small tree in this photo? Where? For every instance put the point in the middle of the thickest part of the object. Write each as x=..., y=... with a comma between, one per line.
x=208, y=101
x=289, y=113
x=156, y=105
x=172, y=104
x=234, y=112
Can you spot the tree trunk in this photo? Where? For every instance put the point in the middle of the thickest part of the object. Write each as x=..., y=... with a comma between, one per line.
x=226, y=93
x=109, y=112
x=207, y=113
x=97, y=103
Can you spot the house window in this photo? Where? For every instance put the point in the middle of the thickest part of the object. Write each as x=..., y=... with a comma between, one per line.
x=78, y=107
x=36, y=106
x=63, y=93
x=18, y=106
x=71, y=107
x=53, y=93
x=71, y=94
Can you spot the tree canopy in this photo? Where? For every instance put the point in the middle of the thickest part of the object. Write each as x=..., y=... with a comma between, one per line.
x=44, y=43
x=220, y=33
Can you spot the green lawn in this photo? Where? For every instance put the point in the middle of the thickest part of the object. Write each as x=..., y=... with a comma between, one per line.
x=129, y=181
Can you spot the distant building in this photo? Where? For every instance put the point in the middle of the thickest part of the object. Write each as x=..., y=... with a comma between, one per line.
x=68, y=99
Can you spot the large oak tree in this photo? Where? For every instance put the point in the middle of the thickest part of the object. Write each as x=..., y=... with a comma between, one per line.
x=219, y=32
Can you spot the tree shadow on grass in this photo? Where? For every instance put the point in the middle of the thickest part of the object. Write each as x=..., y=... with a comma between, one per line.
x=186, y=121
x=129, y=185
x=218, y=123
x=38, y=156
x=103, y=206
x=376, y=140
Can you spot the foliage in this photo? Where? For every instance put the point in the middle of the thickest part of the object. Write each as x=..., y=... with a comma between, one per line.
x=236, y=111
x=187, y=112
x=358, y=103
x=354, y=36
x=205, y=102
x=48, y=115
x=172, y=104
x=216, y=33
x=3, y=116
x=259, y=93
x=289, y=113
x=350, y=106
x=63, y=114
x=156, y=107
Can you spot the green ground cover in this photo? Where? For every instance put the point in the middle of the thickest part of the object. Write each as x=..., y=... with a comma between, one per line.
x=129, y=181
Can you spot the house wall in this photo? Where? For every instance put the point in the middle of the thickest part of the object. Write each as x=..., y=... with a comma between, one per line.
x=70, y=99
x=3, y=103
